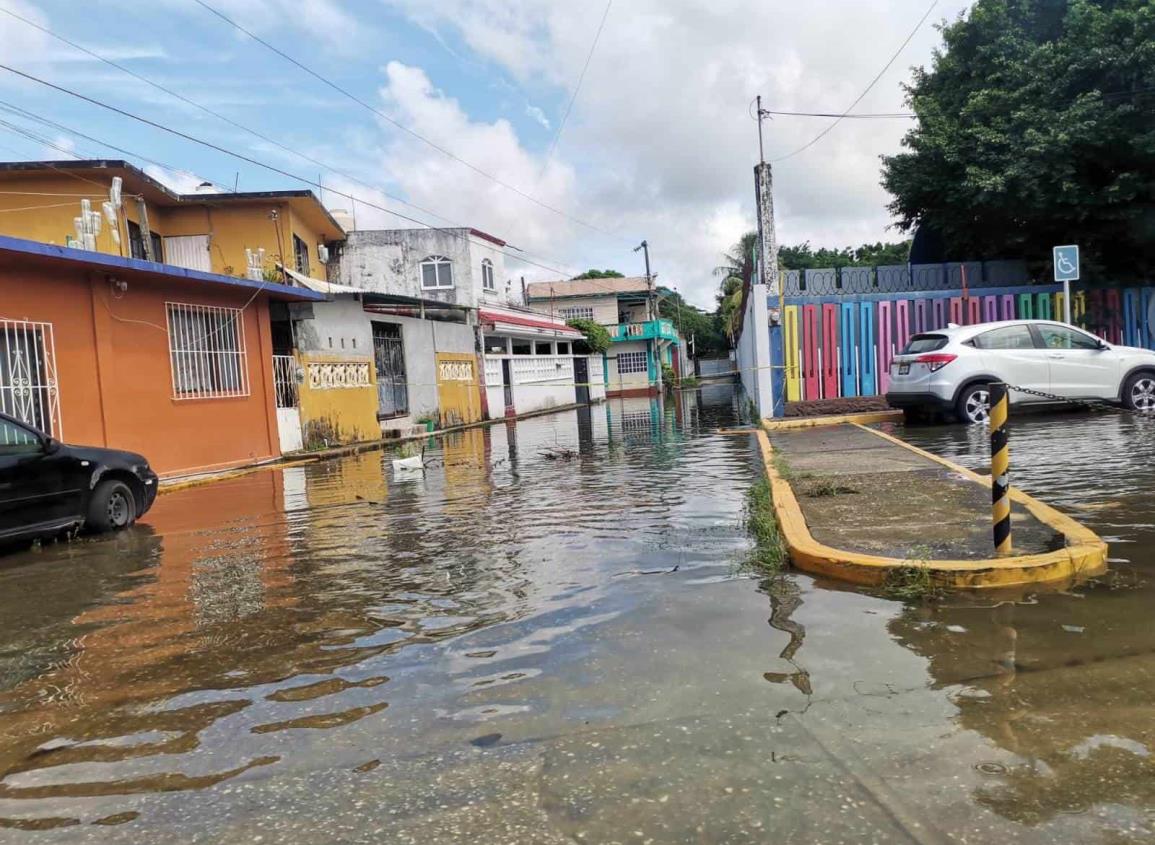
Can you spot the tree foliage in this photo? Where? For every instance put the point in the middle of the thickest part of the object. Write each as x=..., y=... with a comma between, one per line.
x=597, y=336
x=693, y=322
x=805, y=257
x=1036, y=127
x=599, y=274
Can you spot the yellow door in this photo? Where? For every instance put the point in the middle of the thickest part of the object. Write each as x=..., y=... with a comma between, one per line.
x=458, y=391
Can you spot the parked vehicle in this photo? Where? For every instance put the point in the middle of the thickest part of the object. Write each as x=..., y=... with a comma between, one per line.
x=47, y=487
x=949, y=370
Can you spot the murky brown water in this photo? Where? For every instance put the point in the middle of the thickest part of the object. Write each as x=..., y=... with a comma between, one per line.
x=503, y=651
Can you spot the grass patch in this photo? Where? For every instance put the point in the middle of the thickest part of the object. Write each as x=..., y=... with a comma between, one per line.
x=769, y=548
x=913, y=581
x=826, y=487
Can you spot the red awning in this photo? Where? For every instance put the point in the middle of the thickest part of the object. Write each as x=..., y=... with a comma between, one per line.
x=528, y=322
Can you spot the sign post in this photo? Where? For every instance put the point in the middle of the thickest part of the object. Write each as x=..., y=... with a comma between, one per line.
x=1066, y=271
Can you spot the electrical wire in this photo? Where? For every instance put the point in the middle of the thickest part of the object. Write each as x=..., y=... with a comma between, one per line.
x=868, y=89
x=219, y=116
x=581, y=78
x=36, y=207
x=879, y=116
x=348, y=94
x=250, y=160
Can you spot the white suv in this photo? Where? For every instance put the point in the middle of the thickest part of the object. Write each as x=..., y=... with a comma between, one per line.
x=949, y=369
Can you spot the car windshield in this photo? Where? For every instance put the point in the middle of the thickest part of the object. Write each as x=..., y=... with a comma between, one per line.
x=924, y=343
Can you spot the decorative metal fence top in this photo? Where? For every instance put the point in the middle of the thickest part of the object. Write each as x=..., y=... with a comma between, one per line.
x=900, y=278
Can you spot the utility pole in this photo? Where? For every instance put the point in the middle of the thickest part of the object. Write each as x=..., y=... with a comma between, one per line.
x=644, y=246
x=769, y=357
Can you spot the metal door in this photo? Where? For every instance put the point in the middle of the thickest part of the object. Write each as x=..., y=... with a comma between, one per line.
x=581, y=377
x=507, y=383
x=189, y=251
x=458, y=392
x=389, y=360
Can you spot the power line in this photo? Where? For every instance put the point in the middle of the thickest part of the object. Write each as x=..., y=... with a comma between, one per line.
x=861, y=96
x=345, y=92
x=860, y=116
x=581, y=78
x=250, y=160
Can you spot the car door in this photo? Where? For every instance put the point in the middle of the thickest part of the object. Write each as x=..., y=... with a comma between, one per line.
x=38, y=486
x=1010, y=352
x=1082, y=366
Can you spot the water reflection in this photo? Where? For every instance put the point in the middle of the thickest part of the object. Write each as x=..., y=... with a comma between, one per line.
x=1064, y=683
x=253, y=615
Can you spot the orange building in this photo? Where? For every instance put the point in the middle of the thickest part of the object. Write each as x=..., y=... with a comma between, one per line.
x=174, y=363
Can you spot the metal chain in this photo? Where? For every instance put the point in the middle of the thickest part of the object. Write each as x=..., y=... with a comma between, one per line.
x=1089, y=404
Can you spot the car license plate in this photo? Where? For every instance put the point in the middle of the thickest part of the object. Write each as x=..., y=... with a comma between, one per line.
x=903, y=369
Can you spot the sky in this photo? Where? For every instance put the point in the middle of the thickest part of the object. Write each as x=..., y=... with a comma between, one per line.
x=659, y=144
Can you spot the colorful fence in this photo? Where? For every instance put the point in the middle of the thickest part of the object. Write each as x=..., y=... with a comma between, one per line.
x=841, y=346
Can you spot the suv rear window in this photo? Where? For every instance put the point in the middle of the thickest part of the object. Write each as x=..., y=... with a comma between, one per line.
x=924, y=343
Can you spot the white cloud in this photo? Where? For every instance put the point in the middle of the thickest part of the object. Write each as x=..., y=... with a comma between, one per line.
x=660, y=140
x=538, y=115
x=180, y=181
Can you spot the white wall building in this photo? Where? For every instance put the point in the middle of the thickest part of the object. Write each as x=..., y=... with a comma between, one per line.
x=527, y=357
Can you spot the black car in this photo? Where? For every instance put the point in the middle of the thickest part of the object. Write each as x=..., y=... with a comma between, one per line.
x=47, y=487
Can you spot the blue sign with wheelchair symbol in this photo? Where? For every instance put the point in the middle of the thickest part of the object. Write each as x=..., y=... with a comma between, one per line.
x=1066, y=263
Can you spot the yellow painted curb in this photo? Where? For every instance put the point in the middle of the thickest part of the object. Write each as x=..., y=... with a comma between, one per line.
x=1084, y=555
x=835, y=419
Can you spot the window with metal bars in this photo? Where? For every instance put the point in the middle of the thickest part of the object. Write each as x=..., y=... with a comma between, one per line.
x=577, y=313
x=207, y=351
x=632, y=362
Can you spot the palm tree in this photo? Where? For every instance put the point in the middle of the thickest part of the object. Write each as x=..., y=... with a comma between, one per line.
x=737, y=270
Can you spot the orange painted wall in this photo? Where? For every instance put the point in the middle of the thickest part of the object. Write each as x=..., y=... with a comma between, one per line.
x=114, y=375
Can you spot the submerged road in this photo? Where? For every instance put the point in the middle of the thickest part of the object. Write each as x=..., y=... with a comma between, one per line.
x=555, y=635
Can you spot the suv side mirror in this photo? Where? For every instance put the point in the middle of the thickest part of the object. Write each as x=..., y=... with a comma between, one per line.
x=51, y=445
x=1103, y=345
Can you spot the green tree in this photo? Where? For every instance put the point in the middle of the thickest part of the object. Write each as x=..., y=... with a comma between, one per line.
x=599, y=274
x=736, y=269
x=805, y=257
x=597, y=336
x=691, y=321
x=1036, y=126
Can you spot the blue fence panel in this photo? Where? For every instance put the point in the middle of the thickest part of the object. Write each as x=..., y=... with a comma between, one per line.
x=847, y=339
x=867, y=354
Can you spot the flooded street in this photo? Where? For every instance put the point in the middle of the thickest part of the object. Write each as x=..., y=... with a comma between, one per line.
x=555, y=635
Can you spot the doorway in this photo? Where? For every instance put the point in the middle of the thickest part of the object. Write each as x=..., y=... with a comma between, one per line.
x=581, y=377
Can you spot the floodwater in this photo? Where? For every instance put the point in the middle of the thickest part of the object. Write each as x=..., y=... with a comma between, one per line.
x=554, y=635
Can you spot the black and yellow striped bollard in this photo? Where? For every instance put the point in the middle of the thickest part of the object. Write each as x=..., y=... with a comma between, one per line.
x=1000, y=469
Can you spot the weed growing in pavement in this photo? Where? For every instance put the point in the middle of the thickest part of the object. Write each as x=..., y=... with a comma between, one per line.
x=825, y=487
x=769, y=548
x=913, y=580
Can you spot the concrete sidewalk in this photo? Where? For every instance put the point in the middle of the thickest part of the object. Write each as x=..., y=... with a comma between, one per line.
x=861, y=493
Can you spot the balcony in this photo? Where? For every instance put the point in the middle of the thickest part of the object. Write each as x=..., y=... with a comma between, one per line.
x=649, y=330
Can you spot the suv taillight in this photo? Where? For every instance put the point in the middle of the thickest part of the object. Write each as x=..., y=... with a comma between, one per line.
x=935, y=361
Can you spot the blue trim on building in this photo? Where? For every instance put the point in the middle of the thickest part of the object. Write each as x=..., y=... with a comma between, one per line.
x=83, y=258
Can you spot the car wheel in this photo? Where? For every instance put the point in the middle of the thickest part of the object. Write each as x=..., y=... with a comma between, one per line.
x=1139, y=392
x=111, y=508
x=974, y=405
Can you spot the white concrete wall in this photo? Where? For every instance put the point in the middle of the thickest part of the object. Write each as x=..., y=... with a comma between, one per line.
x=753, y=351
x=389, y=261
x=627, y=381
x=597, y=378
x=344, y=326
x=542, y=381
x=605, y=308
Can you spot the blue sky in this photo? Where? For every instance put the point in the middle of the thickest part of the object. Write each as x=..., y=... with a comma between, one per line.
x=659, y=144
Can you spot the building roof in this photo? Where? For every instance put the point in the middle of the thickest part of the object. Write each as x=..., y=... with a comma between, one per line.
x=586, y=287
x=82, y=259
x=508, y=321
x=136, y=181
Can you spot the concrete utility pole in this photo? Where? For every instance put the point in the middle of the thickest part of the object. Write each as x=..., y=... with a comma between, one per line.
x=767, y=342
x=644, y=246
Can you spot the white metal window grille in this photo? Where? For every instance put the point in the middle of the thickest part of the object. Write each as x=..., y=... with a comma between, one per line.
x=28, y=387
x=632, y=362
x=436, y=272
x=487, y=275
x=285, y=381
x=207, y=351
x=578, y=313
